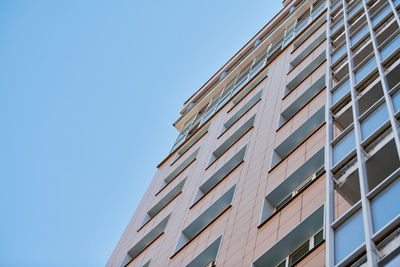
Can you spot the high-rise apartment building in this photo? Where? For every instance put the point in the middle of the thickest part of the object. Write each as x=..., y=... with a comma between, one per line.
x=289, y=154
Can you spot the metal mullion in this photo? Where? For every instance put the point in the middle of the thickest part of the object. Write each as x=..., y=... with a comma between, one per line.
x=394, y=11
x=362, y=171
x=385, y=87
x=330, y=205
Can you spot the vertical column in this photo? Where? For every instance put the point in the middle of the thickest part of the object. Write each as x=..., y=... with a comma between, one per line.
x=394, y=11
x=329, y=202
x=385, y=87
x=362, y=172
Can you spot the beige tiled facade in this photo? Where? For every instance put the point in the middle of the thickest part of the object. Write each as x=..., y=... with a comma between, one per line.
x=248, y=239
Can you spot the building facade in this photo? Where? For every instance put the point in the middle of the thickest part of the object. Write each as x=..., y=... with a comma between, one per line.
x=289, y=154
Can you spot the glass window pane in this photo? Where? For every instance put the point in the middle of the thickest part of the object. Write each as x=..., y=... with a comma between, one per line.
x=340, y=92
x=302, y=27
x=381, y=15
x=338, y=3
x=208, y=115
x=223, y=101
x=354, y=10
x=395, y=262
x=337, y=26
x=359, y=35
x=237, y=88
x=282, y=264
x=300, y=252
x=317, y=13
x=365, y=70
x=383, y=210
x=318, y=238
x=349, y=236
x=396, y=101
x=338, y=54
x=374, y=121
x=256, y=70
x=343, y=147
x=390, y=48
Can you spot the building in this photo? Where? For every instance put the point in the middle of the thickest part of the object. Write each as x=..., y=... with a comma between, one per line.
x=289, y=154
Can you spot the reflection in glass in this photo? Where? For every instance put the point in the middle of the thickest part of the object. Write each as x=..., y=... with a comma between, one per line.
x=316, y=14
x=343, y=147
x=395, y=262
x=365, y=70
x=337, y=26
x=374, y=121
x=340, y=92
x=359, y=35
x=390, y=48
x=256, y=70
x=338, y=3
x=381, y=15
x=396, y=100
x=339, y=54
x=349, y=236
x=383, y=210
x=354, y=10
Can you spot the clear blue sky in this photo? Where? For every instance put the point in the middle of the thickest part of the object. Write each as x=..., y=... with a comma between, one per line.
x=88, y=93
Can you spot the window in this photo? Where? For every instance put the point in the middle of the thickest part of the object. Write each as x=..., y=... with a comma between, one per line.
x=298, y=136
x=293, y=185
x=382, y=208
x=390, y=47
x=317, y=42
x=348, y=236
x=259, y=61
x=296, y=244
x=249, y=105
x=250, y=87
x=308, y=33
x=374, y=120
x=205, y=219
x=207, y=258
x=307, y=71
x=193, y=141
x=163, y=202
x=340, y=91
x=363, y=71
x=221, y=174
x=239, y=133
x=179, y=169
x=147, y=264
x=302, y=101
x=146, y=241
x=343, y=147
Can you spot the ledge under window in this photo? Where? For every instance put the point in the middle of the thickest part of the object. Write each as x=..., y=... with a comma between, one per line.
x=298, y=136
x=163, y=202
x=146, y=241
x=239, y=133
x=306, y=35
x=240, y=113
x=208, y=255
x=249, y=88
x=205, y=219
x=317, y=42
x=220, y=175
x=290, y=242
x=307, y=71
x=292, y=186
x=302, y=100
x=179, y=169
x=192, y=141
